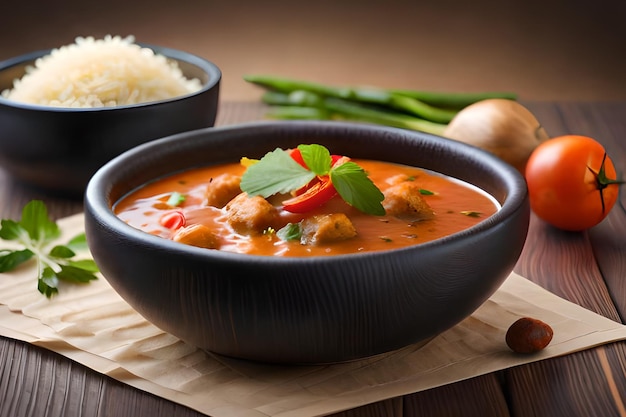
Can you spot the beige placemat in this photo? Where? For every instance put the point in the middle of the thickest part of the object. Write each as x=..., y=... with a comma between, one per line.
x=92, y=325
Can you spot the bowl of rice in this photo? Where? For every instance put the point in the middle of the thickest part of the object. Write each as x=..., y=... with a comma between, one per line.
x=65, y=112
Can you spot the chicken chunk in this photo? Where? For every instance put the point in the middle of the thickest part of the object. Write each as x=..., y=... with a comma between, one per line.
x=251, y=215
x=405, y=201
x=326, y=228
x=197, y=235
x=222, y=189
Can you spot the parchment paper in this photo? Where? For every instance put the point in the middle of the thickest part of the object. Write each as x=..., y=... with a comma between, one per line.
x=92, y=325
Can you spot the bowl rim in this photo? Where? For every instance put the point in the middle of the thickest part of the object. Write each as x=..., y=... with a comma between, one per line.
x=210, y=68
x=98, y=206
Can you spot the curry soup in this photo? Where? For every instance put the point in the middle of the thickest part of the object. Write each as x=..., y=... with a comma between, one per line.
x=455, y=206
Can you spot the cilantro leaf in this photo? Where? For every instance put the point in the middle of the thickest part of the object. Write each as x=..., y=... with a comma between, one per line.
x=275, y=173
x=357, y=189
x=36, y=222
x=11, y=230
x=36, y=232
x=9, y=259
x=72, y=273
x=316, y=157
x=48, y=283
x=78, y=242
x=61, y=251
x=86, y=264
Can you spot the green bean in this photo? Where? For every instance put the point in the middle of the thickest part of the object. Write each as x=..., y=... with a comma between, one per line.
x=362, y=95
x=285, y=85
x=421, y=109
x=347, y=110
x=294, y=98
x=313, y=107
x=453, y=100
x=298, y=113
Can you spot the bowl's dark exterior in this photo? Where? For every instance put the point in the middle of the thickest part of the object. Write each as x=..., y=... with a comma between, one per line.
x=306, y=310
x=59, y=149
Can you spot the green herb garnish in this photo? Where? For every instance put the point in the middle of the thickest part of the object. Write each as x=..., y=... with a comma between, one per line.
x=291, y=231
x=277, y=172
x=355, y=187
x=175, y=199
x=36, y=232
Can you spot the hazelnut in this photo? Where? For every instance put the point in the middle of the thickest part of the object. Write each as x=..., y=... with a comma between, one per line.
x=528, y=335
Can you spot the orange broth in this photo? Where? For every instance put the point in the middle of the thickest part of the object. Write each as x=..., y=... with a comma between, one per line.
x=457, y=206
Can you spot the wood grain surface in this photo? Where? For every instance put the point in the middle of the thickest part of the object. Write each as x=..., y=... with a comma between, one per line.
x=588, y=268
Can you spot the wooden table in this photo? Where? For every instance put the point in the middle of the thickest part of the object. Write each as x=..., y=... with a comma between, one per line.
x=588, y=268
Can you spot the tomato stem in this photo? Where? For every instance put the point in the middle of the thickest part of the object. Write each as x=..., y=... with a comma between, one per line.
x=602, y=181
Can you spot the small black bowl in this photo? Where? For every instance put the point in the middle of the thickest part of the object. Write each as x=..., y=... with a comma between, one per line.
x=58, y=149
x=306, y=310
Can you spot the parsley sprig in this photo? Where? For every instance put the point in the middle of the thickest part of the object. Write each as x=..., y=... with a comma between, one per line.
x=36, y=233
x=278, y=173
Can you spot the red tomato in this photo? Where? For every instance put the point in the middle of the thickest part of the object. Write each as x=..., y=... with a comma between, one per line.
x=571, y=182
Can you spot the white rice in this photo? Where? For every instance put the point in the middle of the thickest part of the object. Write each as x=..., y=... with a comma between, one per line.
x=113, y=71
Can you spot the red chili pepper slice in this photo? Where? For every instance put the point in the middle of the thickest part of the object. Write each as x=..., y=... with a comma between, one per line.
x=338, y=160
x=314, y=196
x=173, y=220
x=296, y=155
x=315, y=193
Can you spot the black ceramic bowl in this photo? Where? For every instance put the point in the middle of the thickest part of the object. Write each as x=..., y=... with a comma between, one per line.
x=306, y=310
x=58, y=149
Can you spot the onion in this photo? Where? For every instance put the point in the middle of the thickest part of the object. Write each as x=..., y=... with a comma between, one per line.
x=503, y=127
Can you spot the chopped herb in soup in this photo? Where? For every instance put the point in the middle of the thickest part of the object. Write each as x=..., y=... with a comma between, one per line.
x=305, y=202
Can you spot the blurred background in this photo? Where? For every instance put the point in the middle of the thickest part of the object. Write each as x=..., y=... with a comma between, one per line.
x=541, y=49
